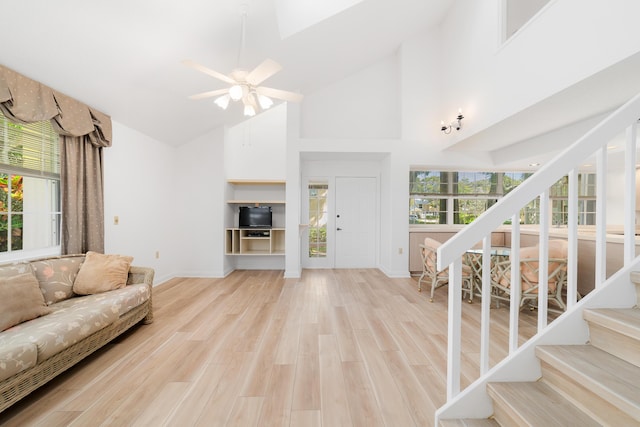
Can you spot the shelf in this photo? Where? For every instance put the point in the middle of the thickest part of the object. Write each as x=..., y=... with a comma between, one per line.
x=239, y=242
x=256, y=202
x=256, y=182
x=258, y=253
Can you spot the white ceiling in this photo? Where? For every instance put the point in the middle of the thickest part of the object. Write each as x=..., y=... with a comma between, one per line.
x=123, y=57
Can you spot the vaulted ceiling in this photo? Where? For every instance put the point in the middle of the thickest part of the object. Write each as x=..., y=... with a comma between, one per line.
x=124, y=57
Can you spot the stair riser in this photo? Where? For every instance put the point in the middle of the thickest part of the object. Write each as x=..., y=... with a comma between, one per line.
x=638, y=294
x=506, y=417
x=615, y=343
x=589, y=402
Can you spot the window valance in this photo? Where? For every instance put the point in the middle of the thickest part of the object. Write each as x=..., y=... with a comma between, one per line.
x=24, y=100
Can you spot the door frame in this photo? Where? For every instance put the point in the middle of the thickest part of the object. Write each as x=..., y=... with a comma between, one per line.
x=330, y=261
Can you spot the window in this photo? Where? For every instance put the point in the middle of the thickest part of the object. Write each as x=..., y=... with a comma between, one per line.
x=29, y=186
x=446, y=197
x=517, y=13
x=318, y=220
x=586, y=200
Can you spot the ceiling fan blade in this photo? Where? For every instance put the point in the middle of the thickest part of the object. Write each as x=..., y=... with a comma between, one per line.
x=209, y=94
x=279, y=94
x=262, y=72
x=209, y=71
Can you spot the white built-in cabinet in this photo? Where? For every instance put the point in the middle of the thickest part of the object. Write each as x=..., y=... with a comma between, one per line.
x=257, y=242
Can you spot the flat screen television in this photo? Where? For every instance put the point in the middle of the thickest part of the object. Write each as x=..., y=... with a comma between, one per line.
x=255, y=217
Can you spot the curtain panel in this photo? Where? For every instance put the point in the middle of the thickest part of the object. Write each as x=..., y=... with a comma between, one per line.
x=83, y=131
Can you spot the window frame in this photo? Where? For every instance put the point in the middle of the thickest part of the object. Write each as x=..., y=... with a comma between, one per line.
x=558, y=196
x=38, y=148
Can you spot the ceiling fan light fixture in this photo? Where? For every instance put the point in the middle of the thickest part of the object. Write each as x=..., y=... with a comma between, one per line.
x=222, y=101
x=236, y=92
x=264, y=101
x=249, y=111
x=245, y=84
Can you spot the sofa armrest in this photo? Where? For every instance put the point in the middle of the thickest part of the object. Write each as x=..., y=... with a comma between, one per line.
x=143, y=275
x=140, y=275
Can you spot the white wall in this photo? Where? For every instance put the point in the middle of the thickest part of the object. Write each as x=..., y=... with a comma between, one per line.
x=141, y=181
x=615, y=196
x=199, y=214
x=256, y=148
x=569, y=41
x=365, y=105
x=420, y=88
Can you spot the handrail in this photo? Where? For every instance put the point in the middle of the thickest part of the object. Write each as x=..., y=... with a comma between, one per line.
x=567, y=162
x=547, y=175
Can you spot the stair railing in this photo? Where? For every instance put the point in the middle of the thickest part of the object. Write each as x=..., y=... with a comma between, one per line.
x=566, y=163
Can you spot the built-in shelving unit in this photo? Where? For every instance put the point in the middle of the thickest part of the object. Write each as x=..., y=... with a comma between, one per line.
x=257, y=192
x=241, y=241
x=257, y=242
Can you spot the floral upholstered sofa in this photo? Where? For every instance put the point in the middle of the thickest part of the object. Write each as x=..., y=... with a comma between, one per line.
x=56, y=311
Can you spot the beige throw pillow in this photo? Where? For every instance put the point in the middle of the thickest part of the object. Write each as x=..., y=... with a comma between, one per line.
x=102, y=273
x=20, y=300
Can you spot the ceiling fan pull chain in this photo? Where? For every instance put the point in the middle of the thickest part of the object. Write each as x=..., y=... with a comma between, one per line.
x=243, y=33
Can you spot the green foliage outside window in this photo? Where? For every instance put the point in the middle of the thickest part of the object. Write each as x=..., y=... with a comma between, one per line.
x=318, y=220
x=433, y=195
x=11, y=207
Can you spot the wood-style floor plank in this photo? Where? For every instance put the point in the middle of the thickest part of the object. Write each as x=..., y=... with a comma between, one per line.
x=335, y=347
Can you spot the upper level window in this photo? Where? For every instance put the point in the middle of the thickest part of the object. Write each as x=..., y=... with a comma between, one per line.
x=29, y=186
x=516, y=13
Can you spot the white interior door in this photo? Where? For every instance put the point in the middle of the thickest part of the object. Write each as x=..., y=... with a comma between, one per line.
x=355, y=222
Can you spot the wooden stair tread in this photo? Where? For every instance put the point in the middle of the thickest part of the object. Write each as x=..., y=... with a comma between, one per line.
x=469, y=422
x=605, y=375
x=624, y=320
x=538, y=404
x=635, y=277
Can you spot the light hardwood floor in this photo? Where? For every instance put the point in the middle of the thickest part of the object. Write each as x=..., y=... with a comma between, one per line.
x=336, y=347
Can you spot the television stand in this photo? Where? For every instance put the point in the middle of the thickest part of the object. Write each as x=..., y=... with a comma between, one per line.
x=258, y=233
x=244, y=241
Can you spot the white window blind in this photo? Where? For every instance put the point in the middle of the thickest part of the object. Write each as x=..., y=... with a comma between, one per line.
x=29, y=149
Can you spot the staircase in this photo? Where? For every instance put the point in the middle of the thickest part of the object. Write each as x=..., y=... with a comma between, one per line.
x=583, y=385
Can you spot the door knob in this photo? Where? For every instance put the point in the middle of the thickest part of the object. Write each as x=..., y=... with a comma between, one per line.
x=339, y=229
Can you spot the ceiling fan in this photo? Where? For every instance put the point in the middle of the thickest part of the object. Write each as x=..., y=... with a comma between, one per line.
x=245, y=85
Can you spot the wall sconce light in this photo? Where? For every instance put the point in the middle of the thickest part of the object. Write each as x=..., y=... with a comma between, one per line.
x=457, y=124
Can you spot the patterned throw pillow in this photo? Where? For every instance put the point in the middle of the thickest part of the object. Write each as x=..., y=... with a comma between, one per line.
x=20, y=300
x=56, y=277
x=102, y=273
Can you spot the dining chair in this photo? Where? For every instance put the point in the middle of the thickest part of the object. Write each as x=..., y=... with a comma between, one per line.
x=428, y=252
x=529, y=269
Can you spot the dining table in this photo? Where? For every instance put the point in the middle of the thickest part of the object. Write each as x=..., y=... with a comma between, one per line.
x=473, y=258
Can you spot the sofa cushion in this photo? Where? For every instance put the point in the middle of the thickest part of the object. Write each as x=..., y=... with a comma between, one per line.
x=56, y=277
x=20, y=300
x=74, y=319
x=102, y=273
x=69, y=322
x=17, y=357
